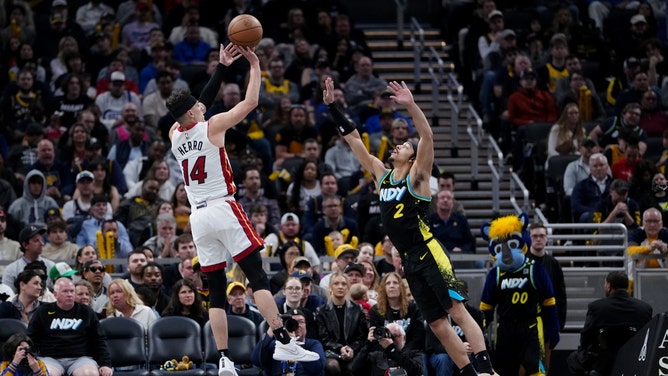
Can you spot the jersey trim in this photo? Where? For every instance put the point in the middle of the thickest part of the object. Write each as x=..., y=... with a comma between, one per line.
x=408, y=185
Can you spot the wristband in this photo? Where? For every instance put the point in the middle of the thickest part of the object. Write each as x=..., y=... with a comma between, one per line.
x=344, y=124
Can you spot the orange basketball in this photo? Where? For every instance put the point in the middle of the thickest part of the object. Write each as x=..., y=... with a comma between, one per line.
x=245, y=30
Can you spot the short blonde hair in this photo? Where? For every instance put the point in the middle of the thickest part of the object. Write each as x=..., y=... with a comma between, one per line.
x=131, y=297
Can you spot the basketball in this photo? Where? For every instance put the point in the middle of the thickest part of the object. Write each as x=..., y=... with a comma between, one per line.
x=245, y=30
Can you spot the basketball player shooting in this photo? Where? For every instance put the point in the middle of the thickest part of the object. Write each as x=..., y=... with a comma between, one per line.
x=219, y=224
x=405, y=196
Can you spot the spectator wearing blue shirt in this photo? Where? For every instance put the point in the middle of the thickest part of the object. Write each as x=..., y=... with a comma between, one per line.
x=262, y=353
x=192, y=49
x=95, y=223
x=451, y=228
x=588, y=192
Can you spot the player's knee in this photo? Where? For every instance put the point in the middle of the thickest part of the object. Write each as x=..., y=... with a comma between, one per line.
x=252, y=268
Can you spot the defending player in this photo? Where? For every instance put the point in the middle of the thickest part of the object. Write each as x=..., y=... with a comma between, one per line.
x=404, y=201
x=219, y=224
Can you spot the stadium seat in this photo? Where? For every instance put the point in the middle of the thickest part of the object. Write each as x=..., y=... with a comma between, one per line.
x=9, y=327
x=241, y=341
x=126, y=341
x=171, y=338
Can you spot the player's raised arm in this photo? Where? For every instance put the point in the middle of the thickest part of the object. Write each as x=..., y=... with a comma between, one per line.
x=425, y=153
x=223, y=121
x=349, y=132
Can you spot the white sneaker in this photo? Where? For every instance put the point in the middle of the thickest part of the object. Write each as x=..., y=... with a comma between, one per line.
x=226, y=367
x=292, y=351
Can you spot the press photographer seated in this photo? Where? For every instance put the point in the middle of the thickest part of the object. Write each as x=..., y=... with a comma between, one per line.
x=384, y=354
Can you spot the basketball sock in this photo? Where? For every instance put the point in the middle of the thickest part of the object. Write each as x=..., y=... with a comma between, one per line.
x=468, y=370
x=223, y=353
x=484, y=363
x=282, y=335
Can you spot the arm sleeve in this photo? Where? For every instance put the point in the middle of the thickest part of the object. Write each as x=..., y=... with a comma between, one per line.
x=344, y=124
x=212, y=87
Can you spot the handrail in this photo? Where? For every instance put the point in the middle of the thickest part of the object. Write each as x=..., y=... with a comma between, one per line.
x=496, y=175
x=455, y=109
x=540, y=217
x=418, y=48
x=516, y=181
x=476, y=141
x=401, y=8
x=436, y=81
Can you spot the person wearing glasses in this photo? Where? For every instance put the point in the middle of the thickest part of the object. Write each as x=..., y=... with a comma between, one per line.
x=651, y=238
x=606, y=132
x=94, y=273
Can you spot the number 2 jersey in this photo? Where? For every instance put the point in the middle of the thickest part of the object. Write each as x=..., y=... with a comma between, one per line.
x=206, y=169
x=404, y=216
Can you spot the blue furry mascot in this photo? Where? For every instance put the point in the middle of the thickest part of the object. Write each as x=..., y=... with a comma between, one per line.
x=521, y=291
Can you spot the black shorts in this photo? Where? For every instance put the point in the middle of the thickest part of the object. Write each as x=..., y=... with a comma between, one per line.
x=432, y=279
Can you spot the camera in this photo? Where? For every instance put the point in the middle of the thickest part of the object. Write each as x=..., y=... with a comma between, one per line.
x=31, y=351
x=289, y=323
x=381, y=332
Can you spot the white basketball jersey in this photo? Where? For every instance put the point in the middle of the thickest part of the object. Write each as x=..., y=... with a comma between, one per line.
x=206, y=170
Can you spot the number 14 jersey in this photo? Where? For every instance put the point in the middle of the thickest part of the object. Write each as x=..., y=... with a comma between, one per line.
x=206, y=169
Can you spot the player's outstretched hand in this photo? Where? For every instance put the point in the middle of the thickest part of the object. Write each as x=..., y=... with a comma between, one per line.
x=401, y=92
x=228, y=54
x=249, y=54
x=328, y=93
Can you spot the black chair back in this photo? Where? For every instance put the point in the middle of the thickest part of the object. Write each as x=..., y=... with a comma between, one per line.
x=126, y=341
x=242, y=338
x=173, y=337
x=9, y=327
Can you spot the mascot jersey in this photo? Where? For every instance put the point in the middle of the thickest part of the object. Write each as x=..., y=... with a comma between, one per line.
x=520, y=294
x=404, y=215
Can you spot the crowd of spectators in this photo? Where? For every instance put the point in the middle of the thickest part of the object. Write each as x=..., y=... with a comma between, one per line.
x=86, y=174
x=593, y=71
x=88, y=178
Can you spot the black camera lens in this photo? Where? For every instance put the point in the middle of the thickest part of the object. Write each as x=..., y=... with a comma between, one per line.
x=381, y=332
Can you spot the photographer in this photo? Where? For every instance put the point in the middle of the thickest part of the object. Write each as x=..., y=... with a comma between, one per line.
x=384, y=354
x=295, y=323
x=19, y=360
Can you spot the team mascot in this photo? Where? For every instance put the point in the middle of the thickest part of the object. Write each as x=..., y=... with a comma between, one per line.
x=528, y=327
